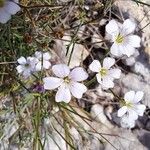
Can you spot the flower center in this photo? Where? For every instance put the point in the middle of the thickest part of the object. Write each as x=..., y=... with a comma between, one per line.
x=27, y=65
x=129, y=104
x=103, y=72
x=67, y=80
x=2, y=2
x=119, y=38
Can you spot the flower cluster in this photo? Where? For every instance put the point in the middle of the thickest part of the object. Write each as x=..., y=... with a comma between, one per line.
x=66, y=82
x=32, y=64
x=8, y=8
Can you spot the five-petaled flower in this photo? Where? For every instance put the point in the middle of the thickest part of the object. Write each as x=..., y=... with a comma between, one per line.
x=67, y=82
x=8, y=8
x=132, y=106
x=105, y=74
x=43, y=60
x=26, y=66
x=124, y=42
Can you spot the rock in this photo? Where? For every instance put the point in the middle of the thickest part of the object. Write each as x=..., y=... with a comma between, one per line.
x=97, y=112
x=144, y=137
x=125, y=141
x=77, y=52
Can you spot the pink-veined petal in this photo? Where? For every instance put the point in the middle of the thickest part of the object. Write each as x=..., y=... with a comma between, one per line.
x=95, y=66
x=108, y=62
x=78, y=74
x=63, y=94
x=77, y=89
x=122, y=111
x=61, y=70
x=52, y=83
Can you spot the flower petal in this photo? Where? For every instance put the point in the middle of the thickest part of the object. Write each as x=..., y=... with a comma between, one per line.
x=108, y=62
x=99, y=78
x=129, y=96
x=46, y=64
x=140, y=109
x=61, y=70
x=112, y=27
x=46, y=56
x=12, y=7
x=126, y=122
x=4, y=16
x=127, y=49
x=138, y=96
x=77, y=89
x=122, y=111
x=38, y=55
x=38, y=66
x=128, y=27
x=134, y=40
x=107, y=83
x=51, y=83
x=78, y=74
x=20, y=68
x=115, y=73
x=132, y=114
x=95, y=66
x=26, y=73
x=63, y=94
x=22, y=61
x=115, y=50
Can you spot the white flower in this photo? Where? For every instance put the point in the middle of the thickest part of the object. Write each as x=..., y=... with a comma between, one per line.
x=67, y=82
x=124, y=42
x=132, y=106
x=45, y=57
x=105, y=74
x=127, y=122
x=26, y=66
x=8, y=8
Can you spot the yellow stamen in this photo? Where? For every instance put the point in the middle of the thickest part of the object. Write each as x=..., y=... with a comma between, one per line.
x=103, y=72
x=66, y=79
x=129, y=104
x=119, y=39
